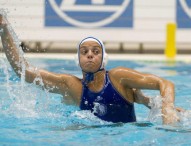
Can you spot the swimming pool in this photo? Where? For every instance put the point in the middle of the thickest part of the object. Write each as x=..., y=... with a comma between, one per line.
x=30, y=116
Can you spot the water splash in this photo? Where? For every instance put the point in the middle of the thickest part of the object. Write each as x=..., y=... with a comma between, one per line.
x=155, y=115
x=23, y=97
x=185, y=118
x=155, y=112
x=87, y=117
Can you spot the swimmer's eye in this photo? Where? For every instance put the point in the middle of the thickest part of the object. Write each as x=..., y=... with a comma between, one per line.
x=96, y=51
x=83, y=51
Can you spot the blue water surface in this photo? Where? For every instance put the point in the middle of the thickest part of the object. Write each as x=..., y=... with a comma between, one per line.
x=32, y=116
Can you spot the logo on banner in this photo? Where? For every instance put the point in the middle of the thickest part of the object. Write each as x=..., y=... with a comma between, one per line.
x=89, y=13
x=183, y=13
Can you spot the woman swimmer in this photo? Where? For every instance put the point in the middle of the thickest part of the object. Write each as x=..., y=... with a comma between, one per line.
x=110, y=95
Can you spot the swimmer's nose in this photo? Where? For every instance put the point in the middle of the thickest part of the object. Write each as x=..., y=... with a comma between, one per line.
x=90, y=55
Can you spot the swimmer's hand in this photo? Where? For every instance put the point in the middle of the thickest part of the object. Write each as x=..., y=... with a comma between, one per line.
x=170, y=114
x=172, y=117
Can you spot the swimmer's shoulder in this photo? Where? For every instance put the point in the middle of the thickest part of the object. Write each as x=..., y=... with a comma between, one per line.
x=118, y=71
x=115, y=74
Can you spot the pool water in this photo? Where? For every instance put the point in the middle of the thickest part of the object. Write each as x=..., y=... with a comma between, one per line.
x=31, y=116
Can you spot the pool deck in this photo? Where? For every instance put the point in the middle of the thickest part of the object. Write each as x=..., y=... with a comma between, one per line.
x=143, y=57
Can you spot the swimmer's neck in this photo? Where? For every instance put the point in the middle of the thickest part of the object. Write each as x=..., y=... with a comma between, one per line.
x=98, y=81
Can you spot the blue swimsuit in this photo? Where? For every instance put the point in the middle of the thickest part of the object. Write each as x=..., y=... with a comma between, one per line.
x=108, y=104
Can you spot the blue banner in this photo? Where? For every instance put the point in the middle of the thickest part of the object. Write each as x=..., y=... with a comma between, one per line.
x=183, y=13
x=89, y=13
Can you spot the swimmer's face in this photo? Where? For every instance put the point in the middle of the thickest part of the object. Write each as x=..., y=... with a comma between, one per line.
x=90, y=54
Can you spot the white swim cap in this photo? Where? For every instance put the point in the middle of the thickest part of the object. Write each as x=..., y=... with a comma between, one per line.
x=104, y=56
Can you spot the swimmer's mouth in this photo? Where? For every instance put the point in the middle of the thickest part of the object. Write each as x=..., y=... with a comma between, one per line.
x=90, y=62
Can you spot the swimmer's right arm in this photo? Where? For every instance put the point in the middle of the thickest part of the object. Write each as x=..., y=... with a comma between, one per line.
x=56, y=83
x=10, y=47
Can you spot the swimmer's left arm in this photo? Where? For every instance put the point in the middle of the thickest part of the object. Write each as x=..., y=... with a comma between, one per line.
x=133, y=79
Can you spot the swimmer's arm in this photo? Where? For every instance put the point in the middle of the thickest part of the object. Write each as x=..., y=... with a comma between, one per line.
x=166, y=88
x=134, y=79
x=11, y=49
x=54, y=82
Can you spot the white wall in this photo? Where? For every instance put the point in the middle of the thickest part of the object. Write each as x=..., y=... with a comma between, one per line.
x=150, y=19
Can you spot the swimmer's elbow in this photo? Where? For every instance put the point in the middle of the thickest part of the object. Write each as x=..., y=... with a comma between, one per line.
x=168, y=83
